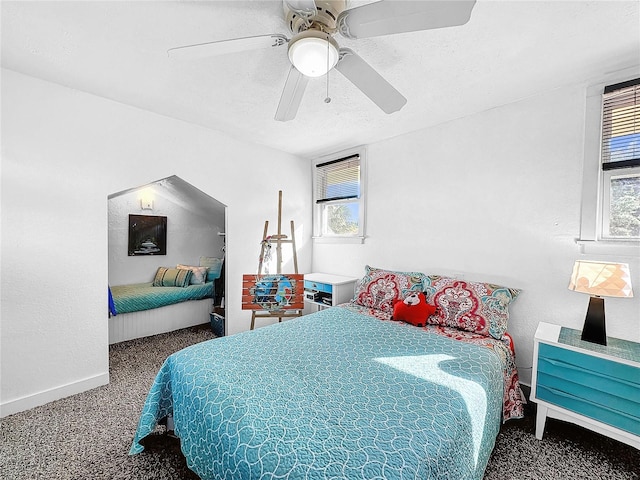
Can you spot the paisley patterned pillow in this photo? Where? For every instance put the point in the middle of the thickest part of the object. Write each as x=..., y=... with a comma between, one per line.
x=472, y=306
x=379, y=288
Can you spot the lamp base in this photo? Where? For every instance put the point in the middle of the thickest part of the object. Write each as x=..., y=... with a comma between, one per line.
x=594, y=329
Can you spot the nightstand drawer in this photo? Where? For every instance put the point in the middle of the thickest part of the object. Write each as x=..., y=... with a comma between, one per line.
x=559, y=374
x=317, y=286
x=597, y=411
x=599, y=392
x=590, y=363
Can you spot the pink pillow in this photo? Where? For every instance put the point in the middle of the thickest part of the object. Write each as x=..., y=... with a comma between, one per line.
x=379, y=288
x=472, y=306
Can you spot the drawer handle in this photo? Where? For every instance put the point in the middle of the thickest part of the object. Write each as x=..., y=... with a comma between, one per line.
x=559, y=363
x=604, y=407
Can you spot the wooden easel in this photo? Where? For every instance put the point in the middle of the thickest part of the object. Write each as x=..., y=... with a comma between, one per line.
x=296, y=306
x=278, y=239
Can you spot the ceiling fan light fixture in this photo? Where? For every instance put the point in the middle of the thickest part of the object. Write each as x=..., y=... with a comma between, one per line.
x=313, y=53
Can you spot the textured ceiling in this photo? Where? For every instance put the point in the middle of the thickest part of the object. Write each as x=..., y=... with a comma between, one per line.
x=509, y=50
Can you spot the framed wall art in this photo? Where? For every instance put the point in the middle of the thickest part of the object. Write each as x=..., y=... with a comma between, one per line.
x=147, y=235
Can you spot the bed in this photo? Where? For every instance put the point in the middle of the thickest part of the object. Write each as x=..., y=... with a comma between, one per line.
x=341, y=393
x=177, y=298
x=142, y=309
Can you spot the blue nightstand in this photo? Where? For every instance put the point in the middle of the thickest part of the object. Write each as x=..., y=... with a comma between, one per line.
x=595, y=386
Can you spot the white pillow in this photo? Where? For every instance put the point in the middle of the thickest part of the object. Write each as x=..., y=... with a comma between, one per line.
x=198, y=275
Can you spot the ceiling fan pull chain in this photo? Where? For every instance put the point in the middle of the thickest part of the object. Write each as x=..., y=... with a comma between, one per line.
x=327, y=98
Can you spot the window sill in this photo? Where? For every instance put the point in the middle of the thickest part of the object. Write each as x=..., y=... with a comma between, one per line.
x=337, y=239
x=626, y=248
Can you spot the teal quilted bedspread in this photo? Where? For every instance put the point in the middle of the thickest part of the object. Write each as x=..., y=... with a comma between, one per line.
x=334, y=394
x=144, y=296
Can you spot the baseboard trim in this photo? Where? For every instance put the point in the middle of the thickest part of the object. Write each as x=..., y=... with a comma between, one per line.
x=30, y=401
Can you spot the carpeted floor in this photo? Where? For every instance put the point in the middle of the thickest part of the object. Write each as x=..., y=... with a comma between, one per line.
x=88, y=436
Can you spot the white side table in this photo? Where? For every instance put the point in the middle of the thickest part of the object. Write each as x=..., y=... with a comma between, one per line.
x=327, y=290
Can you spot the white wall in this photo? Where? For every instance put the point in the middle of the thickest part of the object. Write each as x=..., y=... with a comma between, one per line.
x=493, y=197
x=189, y=235
x=63, y=153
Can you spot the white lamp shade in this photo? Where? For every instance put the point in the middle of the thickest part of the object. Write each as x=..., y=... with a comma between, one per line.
x=313, y=53
x=601, y=279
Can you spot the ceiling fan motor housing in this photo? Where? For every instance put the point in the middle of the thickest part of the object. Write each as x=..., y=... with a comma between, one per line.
x=324, y=19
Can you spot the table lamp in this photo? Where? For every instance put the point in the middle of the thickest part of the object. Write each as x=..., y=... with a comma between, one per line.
x=599, y=279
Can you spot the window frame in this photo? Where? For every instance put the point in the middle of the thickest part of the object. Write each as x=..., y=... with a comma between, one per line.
x=592, y=240
x=319, y=219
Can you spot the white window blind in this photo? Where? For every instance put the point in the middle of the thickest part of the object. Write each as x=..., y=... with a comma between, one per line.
x=338, y=179
x=621, y=125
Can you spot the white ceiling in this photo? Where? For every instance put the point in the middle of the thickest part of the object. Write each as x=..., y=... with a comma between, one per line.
x=509, y=50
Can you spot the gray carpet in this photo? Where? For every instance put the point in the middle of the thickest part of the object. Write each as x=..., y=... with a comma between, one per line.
x=88, y=436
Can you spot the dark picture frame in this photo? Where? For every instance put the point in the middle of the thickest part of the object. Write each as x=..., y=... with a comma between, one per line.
x=147, y=235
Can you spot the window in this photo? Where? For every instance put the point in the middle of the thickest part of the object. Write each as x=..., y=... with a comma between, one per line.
x=620, y=161
x=610, y=173
x=339, y=198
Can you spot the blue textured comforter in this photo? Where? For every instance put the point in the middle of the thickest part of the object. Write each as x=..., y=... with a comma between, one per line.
x=144, y=296
x=334, y=394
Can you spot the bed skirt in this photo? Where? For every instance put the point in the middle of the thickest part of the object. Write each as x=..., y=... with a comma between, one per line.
x=127, y=326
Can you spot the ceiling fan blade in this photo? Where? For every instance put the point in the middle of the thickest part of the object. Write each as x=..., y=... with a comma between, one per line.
x=291, y=95
x=304, y=8
x=363, y=76
x=389, y=17
x=223, y=47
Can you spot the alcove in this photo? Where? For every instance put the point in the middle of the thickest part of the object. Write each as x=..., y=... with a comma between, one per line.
x=195, y=227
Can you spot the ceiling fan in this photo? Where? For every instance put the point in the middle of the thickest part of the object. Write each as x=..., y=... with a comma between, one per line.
x=313, y=51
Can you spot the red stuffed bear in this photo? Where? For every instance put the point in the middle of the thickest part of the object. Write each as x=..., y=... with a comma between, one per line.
x=414, y=309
